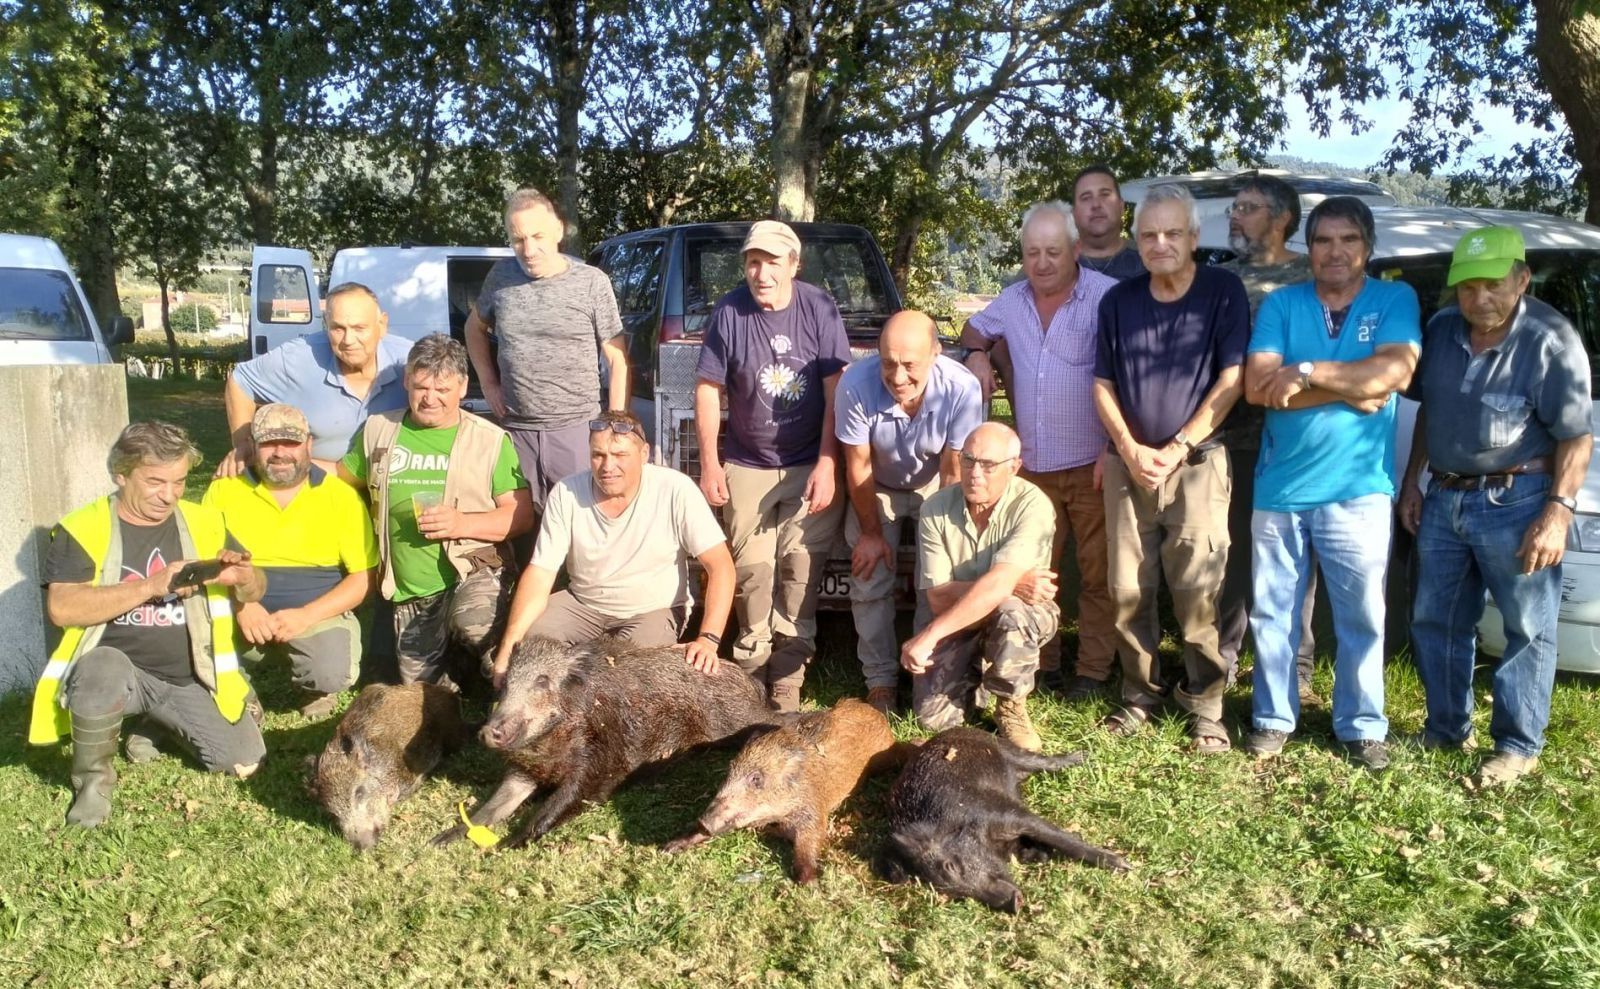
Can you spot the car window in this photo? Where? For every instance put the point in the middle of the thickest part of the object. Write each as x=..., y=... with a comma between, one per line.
x=845, y=267
x=288, y=298
x=38, y=304
x=637, y=282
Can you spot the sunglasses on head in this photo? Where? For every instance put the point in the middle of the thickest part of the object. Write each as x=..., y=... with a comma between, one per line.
x=616, y=426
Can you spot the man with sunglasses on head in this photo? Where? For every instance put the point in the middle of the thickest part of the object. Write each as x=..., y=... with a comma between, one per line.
x=624, y=530
x=983, y=555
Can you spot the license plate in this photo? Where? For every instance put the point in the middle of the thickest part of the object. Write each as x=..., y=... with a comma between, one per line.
x=834, y=585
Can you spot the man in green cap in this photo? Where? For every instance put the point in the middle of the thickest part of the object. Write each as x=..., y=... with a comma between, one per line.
x=1504, y=429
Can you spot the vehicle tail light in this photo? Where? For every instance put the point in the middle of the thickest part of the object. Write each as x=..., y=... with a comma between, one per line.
x=1584, y=533
x=671, y=328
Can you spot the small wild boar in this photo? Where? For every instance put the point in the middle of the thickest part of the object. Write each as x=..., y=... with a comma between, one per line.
x=796, y=776
x=389, y=739
x=956, y=818
x=581, y=719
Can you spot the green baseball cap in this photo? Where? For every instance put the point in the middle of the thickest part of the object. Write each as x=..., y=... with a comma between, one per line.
x=1486, y=253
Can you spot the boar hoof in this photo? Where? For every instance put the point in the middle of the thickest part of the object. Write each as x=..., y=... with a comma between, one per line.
x=448, y=836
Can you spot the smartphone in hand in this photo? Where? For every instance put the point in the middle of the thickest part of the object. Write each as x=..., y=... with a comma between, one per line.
x=196, y=573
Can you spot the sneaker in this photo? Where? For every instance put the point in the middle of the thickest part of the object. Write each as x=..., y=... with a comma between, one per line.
x=1055, y=681
x=1265, y=741
x=1504, y=767
x=1434, y=743
x=1011, y=716
x=319, y=707
x=1370, y=753
x=882, y=698
x=1083, y=688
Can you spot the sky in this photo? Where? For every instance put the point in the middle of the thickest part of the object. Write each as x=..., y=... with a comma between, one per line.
x=1341, y=147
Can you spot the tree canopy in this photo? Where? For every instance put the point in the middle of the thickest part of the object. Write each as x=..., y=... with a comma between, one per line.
x=150, y=134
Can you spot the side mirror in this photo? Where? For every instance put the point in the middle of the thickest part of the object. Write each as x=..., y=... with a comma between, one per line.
x=121, y=331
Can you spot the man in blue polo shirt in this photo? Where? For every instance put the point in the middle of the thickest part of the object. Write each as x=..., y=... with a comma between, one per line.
x=1504, y=427
x=1325, y=360
x=901, y=418
x=336, y=379
x=310, y=533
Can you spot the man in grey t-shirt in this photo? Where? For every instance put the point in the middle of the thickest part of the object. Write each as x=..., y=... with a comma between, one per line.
x=554, y=318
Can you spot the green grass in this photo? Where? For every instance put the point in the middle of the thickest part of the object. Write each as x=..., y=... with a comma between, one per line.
x=1299, y=872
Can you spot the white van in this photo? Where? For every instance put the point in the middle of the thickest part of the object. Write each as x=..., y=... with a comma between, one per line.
x=1414, y=244
x=423, y=289
x=44, y=316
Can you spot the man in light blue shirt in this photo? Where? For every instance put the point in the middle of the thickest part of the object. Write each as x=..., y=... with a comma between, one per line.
x=1325, y=359
x=337, y=378
x=901, y=418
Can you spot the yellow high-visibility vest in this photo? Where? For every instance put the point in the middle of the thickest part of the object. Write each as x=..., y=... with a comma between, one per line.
x=201, y=536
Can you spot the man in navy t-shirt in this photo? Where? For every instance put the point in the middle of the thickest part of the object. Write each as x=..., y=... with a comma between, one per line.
x=1325, y=359
x=775, y=346
x=1167, y=374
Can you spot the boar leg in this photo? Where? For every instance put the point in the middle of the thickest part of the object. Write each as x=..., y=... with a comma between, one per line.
x=1031, y=827
x=514, y=789
x=1029, y=763
x=564, y=802
x=808, y=840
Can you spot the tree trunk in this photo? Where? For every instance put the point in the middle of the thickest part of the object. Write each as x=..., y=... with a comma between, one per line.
x=570, y=25
x=907, y=228
x=793, y=173
x=261, y=193
x=1568, y=48
x=162, y=280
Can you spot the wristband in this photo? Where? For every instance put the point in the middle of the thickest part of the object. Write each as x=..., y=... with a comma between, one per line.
x=1570, y=504
x=716, y=639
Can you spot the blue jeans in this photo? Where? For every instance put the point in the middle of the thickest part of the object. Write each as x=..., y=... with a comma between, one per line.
x=1351, y=542
x=1468, y=544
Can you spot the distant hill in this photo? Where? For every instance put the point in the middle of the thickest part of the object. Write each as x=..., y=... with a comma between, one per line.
x=1408, y=188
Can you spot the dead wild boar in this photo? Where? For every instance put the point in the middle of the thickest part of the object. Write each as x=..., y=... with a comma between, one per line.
x=581, y=719
x=794, y=778
x=956, y=818
x=385, y=743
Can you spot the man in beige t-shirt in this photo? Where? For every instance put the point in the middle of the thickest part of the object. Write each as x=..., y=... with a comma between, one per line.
x=624, y=531
x=983, y=553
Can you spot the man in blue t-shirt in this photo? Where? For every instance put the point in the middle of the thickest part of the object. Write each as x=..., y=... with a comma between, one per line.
x=1166, y=376
x=1325, y=359
x=776, y=347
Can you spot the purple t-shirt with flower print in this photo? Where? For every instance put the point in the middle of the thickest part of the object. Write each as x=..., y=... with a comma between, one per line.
x=772, y=364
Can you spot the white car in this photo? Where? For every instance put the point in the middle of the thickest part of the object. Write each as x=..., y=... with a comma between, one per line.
x=44, y=316
x=1414, y=244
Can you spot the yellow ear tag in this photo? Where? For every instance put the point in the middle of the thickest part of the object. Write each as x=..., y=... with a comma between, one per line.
x=477, y=833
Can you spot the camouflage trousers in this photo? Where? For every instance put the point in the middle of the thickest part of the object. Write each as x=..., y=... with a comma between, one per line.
x=1001, y=654
x=473, y=612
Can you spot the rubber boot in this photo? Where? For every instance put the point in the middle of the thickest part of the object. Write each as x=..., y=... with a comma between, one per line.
x=94, y=744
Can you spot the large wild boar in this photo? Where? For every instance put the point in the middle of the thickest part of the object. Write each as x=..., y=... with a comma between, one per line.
x=795, y=777
x=956, y=818
x=581, y=719
x=389, y=739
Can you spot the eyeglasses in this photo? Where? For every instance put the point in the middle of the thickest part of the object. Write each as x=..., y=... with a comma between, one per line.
x=978, y=463
x=1244, y=208
x=621, y=426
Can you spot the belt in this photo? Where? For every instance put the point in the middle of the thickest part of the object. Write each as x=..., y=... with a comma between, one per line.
x=1502, y=479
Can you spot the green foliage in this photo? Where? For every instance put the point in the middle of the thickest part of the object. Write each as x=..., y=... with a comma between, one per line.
x=134, y=310
x=193, y=317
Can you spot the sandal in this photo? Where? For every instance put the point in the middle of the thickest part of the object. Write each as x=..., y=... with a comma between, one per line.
x=1208, y=737
x=1127, y=720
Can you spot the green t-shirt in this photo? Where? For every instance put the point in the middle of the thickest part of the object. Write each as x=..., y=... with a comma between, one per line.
x=417, y=466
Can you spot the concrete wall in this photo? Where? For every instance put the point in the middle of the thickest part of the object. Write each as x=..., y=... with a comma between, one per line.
x=60, y=422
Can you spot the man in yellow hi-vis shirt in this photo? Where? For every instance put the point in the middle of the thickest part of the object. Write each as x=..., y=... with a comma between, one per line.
x=135, y=636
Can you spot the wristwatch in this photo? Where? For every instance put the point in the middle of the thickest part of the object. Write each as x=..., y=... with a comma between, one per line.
x=1305, y=368
x=1570, y=504
x=1182, y=440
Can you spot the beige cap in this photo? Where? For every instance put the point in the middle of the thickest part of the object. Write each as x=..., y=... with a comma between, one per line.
x=279, y=422
x=773, y=237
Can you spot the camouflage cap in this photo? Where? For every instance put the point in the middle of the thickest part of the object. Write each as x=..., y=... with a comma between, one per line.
x=279, y=422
